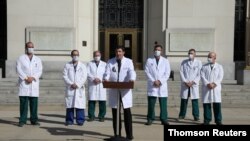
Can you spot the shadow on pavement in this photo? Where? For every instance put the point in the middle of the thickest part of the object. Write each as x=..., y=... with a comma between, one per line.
x=51, y=121
x=53, y=115
x=8, y=122
x=72, y=132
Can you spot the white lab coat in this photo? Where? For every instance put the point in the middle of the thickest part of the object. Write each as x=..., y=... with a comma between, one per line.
x=75, y=98
x=209, y=76
x=96, y=92
x=157, y=72
x=29, y=68
x=190, y=71
x=126, y=74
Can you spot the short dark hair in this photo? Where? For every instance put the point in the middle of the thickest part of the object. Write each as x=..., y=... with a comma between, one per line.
x=157, y=45
x=120, y=47
x=191, y=50
x=96, y=52
x=74, y=51
x=26, y=44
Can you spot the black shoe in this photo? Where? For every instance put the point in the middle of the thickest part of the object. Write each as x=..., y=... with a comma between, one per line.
x=205, y=123
x=196, y=118
x=90, y=119
x=130, y=138
x=181, y=117
x=80, y=124
x=35, y=123
x=20, y=124
x=219, y=123
x=67, y=124
x=164, y=123
x=101, y=119
x=149, y=122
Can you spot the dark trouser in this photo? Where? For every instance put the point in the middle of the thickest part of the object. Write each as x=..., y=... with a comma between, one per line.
x=163, y=108
x=33, y=103
x=80, y=116
x=208, y=112
x=127, y=122
x=91, y=109
x=195, y=108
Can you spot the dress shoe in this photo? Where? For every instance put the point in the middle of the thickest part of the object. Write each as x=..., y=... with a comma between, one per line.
x=164, y=123
x=130, y=138
x=101, y=119
x=35, y=123
x=20, y=124
x=90, y=119
x=219, y=123
x=149, y=122
x=196, y=118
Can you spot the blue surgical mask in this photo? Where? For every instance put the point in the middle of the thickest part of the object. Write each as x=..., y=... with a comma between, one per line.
x=209, y=60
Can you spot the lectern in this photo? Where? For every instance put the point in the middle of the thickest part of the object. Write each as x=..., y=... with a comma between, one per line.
x=119, y=86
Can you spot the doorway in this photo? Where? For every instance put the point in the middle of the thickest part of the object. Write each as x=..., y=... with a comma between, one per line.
x=130, y=39
x=121, y=24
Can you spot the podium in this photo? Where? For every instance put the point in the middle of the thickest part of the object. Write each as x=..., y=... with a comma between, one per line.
x=119, y=86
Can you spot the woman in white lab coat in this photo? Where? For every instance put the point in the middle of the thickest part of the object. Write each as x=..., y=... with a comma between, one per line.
x=126, y=74
x=96, y=70
x=157, y=70
x=29, y=70
x=75, y=75
x=212, y=75
x=190, y=78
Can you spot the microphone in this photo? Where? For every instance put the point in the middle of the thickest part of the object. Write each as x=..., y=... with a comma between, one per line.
x=119, y=64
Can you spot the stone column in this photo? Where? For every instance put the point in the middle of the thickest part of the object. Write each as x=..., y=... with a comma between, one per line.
x=247, y=46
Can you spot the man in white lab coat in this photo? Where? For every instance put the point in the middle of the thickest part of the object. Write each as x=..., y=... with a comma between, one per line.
x=29, y=69
x=75, y=75
x=211, y=76
x=190, y=77
x=122, y=68
x=157, y=69
x=96, y=70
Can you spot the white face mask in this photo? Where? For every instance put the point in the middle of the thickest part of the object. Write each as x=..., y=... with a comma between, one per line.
x=191, y=56
x=209, y=60
x=75, y=58
x=157, y=53
x=97, y=58
x=30, y=50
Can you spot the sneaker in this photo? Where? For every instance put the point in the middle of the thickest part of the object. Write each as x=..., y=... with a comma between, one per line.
x=149, y=122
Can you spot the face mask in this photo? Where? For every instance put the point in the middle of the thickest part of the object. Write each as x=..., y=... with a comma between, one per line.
x=97, y=58
x=209, y=60
x=157, y=53
x=191, y=56
x=30, y=50
x=75, y=58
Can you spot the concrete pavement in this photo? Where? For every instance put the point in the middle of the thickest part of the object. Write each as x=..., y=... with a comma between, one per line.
x=52, y=124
